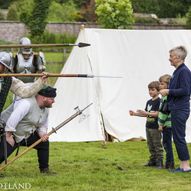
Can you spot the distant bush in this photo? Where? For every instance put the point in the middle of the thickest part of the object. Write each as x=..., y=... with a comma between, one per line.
x=146, y=6
x=63, y=12
x=4, y=4
x=38, y=18
x=146, y=20
x=2, y=16
x=54, y=38
x=115, y=13
x=13, y=13
x=22, y=10
x=188, y=18
x=78, y=3
x=162, y=8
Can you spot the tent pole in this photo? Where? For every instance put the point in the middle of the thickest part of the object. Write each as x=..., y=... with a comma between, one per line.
x=103, y=130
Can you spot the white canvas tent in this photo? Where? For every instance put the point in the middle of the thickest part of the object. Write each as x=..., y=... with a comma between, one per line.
x=139, y=56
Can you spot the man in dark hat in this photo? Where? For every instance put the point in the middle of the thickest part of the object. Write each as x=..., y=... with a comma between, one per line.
x=27, y=123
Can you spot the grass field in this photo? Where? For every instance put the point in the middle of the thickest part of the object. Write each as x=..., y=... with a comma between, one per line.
x=91, y=166
x=95, y=167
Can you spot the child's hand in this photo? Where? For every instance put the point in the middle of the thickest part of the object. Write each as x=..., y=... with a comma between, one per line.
x=131, y=112
x=160, y=128
x=164, y=92
x=142, y=112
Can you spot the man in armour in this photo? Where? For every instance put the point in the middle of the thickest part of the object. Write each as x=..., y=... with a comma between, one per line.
x=26, y=61
x=15, y=85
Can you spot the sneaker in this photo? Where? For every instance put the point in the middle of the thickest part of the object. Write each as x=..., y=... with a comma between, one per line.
x=47, y=171
x=180, y=170
x=176, y=170
x=189, y=170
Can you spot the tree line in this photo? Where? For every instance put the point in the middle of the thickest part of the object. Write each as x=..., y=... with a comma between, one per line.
x=108, y=13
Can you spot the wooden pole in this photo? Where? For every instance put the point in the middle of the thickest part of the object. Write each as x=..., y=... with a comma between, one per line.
x=78, y=112
x=57, y=75
x=48, y=75
x=80, y=44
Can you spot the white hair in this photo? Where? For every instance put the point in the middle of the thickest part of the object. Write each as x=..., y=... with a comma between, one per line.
x=180, y=51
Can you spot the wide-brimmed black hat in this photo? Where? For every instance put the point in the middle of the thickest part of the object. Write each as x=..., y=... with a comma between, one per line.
x=48, y=91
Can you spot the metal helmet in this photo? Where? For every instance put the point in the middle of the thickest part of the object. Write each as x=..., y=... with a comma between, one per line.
x=25, y=41
x=5, y=59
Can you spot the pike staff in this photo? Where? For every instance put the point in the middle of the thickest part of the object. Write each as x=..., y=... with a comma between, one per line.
x=54, y=130
x=57, y=75
x=80, y=45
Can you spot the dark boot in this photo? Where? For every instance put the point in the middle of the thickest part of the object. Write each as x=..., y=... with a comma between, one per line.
x=169, y=165
x=150, y=163
x=159, y=164
x=47, y=171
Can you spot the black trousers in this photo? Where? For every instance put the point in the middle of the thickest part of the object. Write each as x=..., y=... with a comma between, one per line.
x=167, y=144
x=42, y=149
x=178, y=119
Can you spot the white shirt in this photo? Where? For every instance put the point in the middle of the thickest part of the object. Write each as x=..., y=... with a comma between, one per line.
x=15, y=114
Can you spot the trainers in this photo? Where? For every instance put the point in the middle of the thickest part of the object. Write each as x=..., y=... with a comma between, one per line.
x=189, y=170
x=181, y=170
x=177, y=170
x=47, y=171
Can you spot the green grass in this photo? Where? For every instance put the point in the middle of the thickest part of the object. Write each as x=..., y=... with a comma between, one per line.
x=94, y=167
x=55, y=57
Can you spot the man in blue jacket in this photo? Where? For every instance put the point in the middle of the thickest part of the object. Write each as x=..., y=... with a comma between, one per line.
x=179, y=104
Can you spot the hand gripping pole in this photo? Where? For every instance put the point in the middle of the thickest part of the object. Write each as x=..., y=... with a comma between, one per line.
x=54, y=130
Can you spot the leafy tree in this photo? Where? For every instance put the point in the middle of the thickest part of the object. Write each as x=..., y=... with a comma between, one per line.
x=2, y=16
x=4, y=4
x=63, y=12
x=78, y=3
x=162, y=8
x=23, y=10
x=114, y=13
x=172, y=8
x=33, y=13
x=146, y=6
x=38, y=18
x=88, y=11
x=188, y=18
x=12, y=13
x=58, y=12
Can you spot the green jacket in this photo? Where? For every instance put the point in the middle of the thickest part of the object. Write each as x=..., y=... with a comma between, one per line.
x=164, y=119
